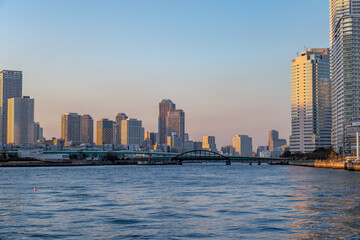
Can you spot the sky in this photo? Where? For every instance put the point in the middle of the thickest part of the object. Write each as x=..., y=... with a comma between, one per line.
x=226, y=63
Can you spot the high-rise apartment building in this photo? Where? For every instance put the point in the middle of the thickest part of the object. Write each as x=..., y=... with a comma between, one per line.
x=87, y=129
x=174, y=143
x=242, y=145
x=228, y=150
x=20, y=122
x=10, y=87
x=71, y=127
x=192, y=145
x=209, y=143
x=175, y=123
x=151, y=136
x=104, y=132
x=38, y=133
x=345, y=65
x=274, y=141
x=118, y=119
x=132, y=132
x=164, y=107
x=310, y=101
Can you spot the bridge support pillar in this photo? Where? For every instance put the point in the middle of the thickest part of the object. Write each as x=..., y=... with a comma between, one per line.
x=179, y=162
x=228, y=162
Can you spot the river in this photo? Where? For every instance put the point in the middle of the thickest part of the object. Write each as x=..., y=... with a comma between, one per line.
x=192, y=201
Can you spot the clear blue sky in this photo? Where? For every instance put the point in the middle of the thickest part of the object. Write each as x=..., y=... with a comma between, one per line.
x=225, y=63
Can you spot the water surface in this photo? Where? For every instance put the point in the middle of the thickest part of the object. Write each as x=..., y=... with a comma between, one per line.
x=209, y=201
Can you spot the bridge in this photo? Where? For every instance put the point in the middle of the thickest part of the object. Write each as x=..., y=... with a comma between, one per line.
x=169, y=158
x=200, y=155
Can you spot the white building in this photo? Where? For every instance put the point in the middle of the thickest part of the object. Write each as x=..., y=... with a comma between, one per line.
x=20, y=122
x=345, y=65
x=132, y=132
x=310, y=102
x=242, y=145
x=10, y=87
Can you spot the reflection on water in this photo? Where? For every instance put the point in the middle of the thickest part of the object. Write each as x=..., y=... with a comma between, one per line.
x=328, y=206
x=179, y=202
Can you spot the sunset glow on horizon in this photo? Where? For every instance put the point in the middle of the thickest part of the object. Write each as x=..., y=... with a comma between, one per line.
x=227, y=64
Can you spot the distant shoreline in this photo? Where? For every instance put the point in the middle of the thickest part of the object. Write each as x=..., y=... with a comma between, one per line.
x=333, y=164
x=68, y=163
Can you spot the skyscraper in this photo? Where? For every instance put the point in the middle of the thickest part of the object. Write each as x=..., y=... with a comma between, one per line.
x=71, y=127
x=151, y=136
x=116, y=130
x=38, y=133
x=209, y=143
x=345, y=65
x=242, y=145
x=87, y=129
x=118, y=119
x=132, y=132
x=104, y=132
x=274, y=141
x=164, y=107
x=20, y=127
x=174, y=143
x=175, y=122
x=310, y=101
x=10, y=87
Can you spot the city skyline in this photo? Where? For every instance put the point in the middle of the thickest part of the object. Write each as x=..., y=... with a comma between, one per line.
x=207, y=65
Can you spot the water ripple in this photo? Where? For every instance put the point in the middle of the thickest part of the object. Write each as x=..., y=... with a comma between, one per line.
x=204, y=201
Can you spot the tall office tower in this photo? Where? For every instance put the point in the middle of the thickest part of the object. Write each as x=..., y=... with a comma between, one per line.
x=132, y=132
x=209, y=143
x=310, y=101
x=164, y=107
x=38, y=132
x=174, y=142
x=71, y=127
x=151, y=136
x=242, y=145
x=10, y=87
x=345, y=65
x=274, y=141
x=20, y=127
x=104, y=132
x=87, y=129
x=175, y=122
x=118, y=119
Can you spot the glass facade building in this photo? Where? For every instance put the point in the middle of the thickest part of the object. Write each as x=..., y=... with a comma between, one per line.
x=20, y=122
x=10, y=87
x=132, y=132
x=345, y=67
x=164, y=107
x=175, y=123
